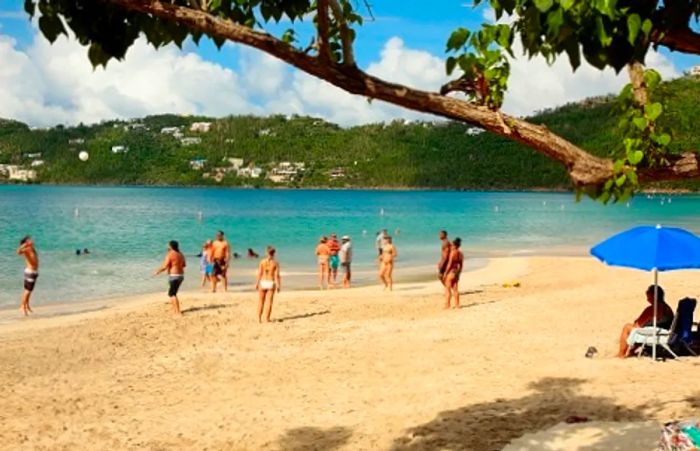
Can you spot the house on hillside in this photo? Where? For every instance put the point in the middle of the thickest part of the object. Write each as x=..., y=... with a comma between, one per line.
x=236, y=163
x=337, y=173
x=694, y=71
x=202, y=127
x=175, y=132
x=119, y=149
x=252, y=172
x=266, y=132
x=474, y=131
x=33, y=155
x=285, y=171
x=37, y=163
x=76, y=141
x=198, y=163
x=190, y=140
x=14, y=172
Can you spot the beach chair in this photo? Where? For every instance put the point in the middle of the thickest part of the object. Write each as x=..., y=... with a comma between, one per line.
x=677, y=336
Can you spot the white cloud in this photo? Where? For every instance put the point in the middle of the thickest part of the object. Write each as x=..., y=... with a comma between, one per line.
x=49, y=84
x=535, y=85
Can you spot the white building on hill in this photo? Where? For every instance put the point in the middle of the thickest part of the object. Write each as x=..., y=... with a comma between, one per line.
x=200, y=127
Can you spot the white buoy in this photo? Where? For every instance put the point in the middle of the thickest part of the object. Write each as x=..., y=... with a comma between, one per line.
x=628, y=205
x=200, y=216
x=83, y=156
x=76, y=212
x=381, y=212
x=544, y=203
x=495, y=209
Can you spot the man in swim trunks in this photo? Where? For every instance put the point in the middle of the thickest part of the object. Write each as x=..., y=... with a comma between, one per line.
x=453, y=271
x=333, y=260
x=386, y=263
x=175, y=264
x=445, y=248
x=345, y=255
x=221, y=256
x=31, y=271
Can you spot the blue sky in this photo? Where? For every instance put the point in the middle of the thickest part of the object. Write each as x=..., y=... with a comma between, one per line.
x=405, y=42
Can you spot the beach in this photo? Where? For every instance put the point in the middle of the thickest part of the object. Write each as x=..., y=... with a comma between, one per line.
x=350, y=369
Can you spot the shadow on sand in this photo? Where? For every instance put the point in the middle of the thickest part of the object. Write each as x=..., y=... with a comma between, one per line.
x=302, y=316
x=491, y=426
x=312, y=438
x=206, y=307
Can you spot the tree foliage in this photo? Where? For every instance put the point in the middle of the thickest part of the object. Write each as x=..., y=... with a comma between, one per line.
x=604, y=33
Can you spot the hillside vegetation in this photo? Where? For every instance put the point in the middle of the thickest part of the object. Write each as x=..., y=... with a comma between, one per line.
x=396, y=155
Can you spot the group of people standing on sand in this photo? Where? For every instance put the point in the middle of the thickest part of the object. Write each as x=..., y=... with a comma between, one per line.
x=450, y=268
x=330, y=255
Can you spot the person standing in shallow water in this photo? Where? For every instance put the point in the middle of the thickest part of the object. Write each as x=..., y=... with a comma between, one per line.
x=323, y=255
x=268, y=283
x=174, y=264
x=452, y=273
x=221, y=257
x=31, y=271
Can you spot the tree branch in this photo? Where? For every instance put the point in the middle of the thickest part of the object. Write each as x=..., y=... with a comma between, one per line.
x=679, y=39
x=345, y=34
x=583, y=167
x=639, y=89
x=324, y=51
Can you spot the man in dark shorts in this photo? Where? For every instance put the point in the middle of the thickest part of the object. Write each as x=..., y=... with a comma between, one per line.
x=445, y=249
x=175, y=264
x=221, y=256
x=31, y=271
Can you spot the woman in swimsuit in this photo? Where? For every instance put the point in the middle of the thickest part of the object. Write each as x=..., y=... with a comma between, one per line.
x=453, y=271
x=323, y=254
x=268, y=282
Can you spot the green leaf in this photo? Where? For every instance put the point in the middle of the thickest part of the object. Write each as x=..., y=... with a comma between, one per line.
x=640, y=122
x=663, y=139
x=566, y=4
x=555, y=20
x=653, y=111
x=635, y=157
x=632, y=177
x=651, y=78
x=51, y=27
x=450, y=64
x=608, y=184
x=621, y=180
x=544, y=5
x=457, y=39
x=634, y=23
x=617, y=167
x=646, y=27
x=29, y=7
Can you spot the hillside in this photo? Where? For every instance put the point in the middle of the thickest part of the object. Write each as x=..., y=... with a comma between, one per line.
x=236, y=149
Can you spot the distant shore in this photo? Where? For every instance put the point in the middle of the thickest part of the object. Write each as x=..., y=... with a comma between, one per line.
x=344, y=188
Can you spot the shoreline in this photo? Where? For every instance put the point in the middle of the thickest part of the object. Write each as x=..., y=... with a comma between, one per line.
x=535, y=189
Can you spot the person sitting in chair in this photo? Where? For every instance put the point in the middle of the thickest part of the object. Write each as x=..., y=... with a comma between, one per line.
x=664, y=318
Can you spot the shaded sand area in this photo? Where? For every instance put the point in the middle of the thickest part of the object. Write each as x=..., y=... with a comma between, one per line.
x=351, y=370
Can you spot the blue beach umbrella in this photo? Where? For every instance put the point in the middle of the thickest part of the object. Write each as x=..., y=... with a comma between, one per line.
x=651, y=249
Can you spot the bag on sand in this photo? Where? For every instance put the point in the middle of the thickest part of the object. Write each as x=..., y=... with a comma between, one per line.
x=680, y=436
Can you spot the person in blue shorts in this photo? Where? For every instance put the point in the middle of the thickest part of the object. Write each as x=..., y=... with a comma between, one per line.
x=334, y=260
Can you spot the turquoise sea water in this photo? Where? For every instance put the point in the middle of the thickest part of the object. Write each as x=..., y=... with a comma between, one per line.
x=127, y=230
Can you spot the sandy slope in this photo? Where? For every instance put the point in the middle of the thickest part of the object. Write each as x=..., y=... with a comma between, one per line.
x=352, y=370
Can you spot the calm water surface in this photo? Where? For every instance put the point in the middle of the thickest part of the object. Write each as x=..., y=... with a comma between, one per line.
x=127, y=230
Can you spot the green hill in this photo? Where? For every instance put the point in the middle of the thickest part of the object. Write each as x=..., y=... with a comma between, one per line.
x=396, y=155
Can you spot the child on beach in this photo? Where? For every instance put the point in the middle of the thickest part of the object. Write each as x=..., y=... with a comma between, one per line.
x=31, y=271
x=205, y=262
x=267, y=283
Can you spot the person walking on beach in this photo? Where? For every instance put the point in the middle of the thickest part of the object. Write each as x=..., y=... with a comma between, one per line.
x=346, y=260
x=323, y=255
x=31, y=271
x=268, y=283
x=174, y=264
x=454, y=266
x=333, y=260
x=445, y=249
x=386, y=263
x=220, y=257
x=205, y=262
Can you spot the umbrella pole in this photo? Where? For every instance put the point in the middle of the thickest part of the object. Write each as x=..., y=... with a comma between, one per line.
x=656, y=296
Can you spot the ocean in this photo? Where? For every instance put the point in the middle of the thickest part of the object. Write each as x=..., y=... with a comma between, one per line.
x=127, y=230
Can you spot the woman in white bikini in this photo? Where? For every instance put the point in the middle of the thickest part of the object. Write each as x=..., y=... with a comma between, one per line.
x=268, y=282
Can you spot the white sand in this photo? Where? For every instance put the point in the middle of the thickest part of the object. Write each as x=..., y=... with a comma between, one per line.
x=349, y=369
